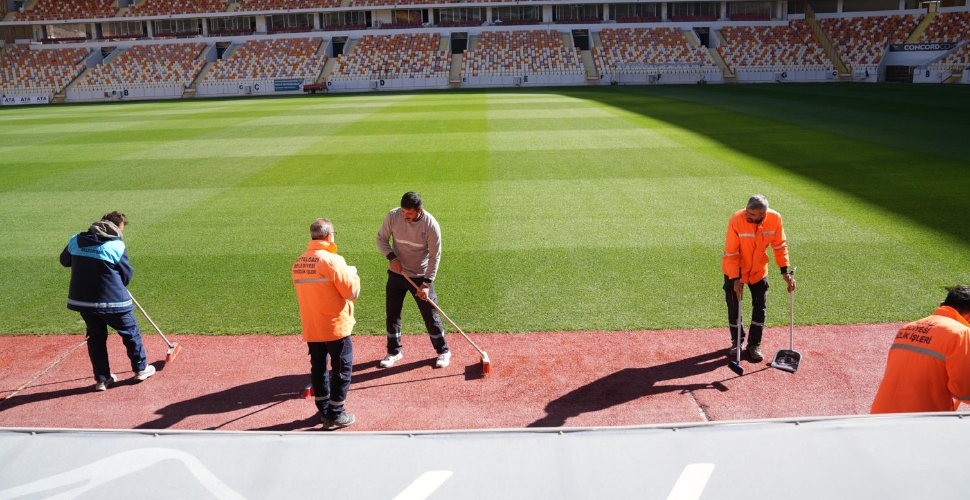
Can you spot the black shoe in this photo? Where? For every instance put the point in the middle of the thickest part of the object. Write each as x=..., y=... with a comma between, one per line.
x=733, y=352
x=754, y=352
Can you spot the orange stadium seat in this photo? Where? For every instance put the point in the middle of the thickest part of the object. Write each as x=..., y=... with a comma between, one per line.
x=642, y=47
x=267, y=59
x=148, y=65
x=412, y=55
x=51, y=10
x=777, y=48
x=511, y=53
x=45, y=70
x=176, y=7
x=862, y=41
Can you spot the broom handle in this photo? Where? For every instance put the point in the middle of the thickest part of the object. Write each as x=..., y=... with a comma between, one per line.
x=791, y=314
x=446, y=317
x=149, y=318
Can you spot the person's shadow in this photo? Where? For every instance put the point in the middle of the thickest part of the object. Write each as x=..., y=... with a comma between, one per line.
x=259, y=394
x=631, y=384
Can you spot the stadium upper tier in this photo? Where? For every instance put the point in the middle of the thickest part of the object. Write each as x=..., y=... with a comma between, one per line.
x=947, y=27
x=69, y=9
x=413, y=55
x=775, y=48
x=176, y=7
x=147, y=65
x=502, y=53
x=50, y=70
x=267, y=59
x=637, y=48
x=268, y=5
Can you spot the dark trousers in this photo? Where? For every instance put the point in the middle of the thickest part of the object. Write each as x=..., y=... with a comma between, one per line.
x=759, y=309
x=97, y=334
x=330, y=388
x=395, y=291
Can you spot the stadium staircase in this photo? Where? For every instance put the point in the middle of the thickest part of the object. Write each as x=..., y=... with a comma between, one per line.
x=845, y=73
x=592, y=75
x=728, y=75
x=454, y=77
x=691, y=38
x=345, y=3
x=233, y=7
x=327, y=69
x=191, y=88
x=921, y=27
x=9, y=17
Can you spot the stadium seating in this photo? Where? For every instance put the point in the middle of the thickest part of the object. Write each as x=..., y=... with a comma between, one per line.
x=269, y=59
x=269, y=5
x=147, y=65
x=511, y=53
x=773, y=48
x=649, y=47
x=947, y=27
x=956, y=61
x=416, y=55
x=175, y=7
x=50, y=10
x=862, y=41
x=41, y=70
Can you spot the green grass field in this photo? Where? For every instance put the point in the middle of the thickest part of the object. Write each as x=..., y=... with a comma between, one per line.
x=561, y=209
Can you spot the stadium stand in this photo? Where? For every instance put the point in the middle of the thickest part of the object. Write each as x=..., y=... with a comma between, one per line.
x=269, y=59
x=280, y=5
x=177, y=7
x=773, y=48
x=862, y=41
x=413, y=55
x=956, y=61
x=146, y=66
x=53, y=10
x=510, y=53
x=947, y=27
x=40, y=70
x=642, y=48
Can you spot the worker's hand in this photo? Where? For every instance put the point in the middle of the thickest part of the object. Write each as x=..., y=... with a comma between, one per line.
x=738, y=288
x=422, y=291
x=396, y=266
x=790, y=279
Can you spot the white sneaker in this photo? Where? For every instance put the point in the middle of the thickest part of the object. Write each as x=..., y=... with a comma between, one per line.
x=444, y=359
x=389, y=360
x=103, y=385
x=144, y=374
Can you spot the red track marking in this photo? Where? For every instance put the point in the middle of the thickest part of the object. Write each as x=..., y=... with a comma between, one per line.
x=540, y=379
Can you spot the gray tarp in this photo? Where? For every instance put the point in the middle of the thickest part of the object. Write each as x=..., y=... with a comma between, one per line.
x=886, y=457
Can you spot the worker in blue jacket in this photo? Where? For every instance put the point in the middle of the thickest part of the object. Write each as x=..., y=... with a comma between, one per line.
x=100, y=271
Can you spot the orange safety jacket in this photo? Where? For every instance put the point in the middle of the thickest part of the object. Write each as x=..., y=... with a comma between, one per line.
x=928, y=367
x=746, y=246
x=326, y=288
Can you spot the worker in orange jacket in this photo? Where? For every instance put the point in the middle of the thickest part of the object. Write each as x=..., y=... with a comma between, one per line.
x=326, y=288
x=929, y=361
x=751, y=232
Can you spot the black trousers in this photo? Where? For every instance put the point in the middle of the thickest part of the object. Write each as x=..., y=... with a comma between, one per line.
x=330, y=388
x=759, y=310
x=397, y=288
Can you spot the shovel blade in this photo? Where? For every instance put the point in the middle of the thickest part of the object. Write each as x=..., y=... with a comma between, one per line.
x=787, y=360
x=736, y=368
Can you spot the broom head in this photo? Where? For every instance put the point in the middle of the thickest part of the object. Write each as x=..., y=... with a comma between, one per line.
x=307, y=392
x=173, y=352
x=736, y=368
x=486, y=363
x=787, y=360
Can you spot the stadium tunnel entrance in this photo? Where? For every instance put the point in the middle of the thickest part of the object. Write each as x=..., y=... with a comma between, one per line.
x=459, y=42
x=581, y=39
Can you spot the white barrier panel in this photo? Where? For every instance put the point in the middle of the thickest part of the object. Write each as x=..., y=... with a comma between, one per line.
x=930, y=75
x=966, y=77
x=124, y=94
x=766, y=76
x=21, y=100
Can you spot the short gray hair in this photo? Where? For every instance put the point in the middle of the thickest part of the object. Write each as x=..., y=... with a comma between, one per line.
x=758, y=202
x=320, y=229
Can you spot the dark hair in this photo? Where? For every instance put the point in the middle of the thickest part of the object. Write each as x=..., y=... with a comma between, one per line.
x=411, y=200
x=117, y=218
x=320, y=229
x=958, y=298
x=758, y=202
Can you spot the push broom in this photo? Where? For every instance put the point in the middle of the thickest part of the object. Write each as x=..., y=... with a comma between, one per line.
x=173, y=348
x=788, y=359
x=486, y=363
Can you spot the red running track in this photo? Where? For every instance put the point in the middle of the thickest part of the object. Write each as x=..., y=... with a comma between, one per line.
x=574, y=379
